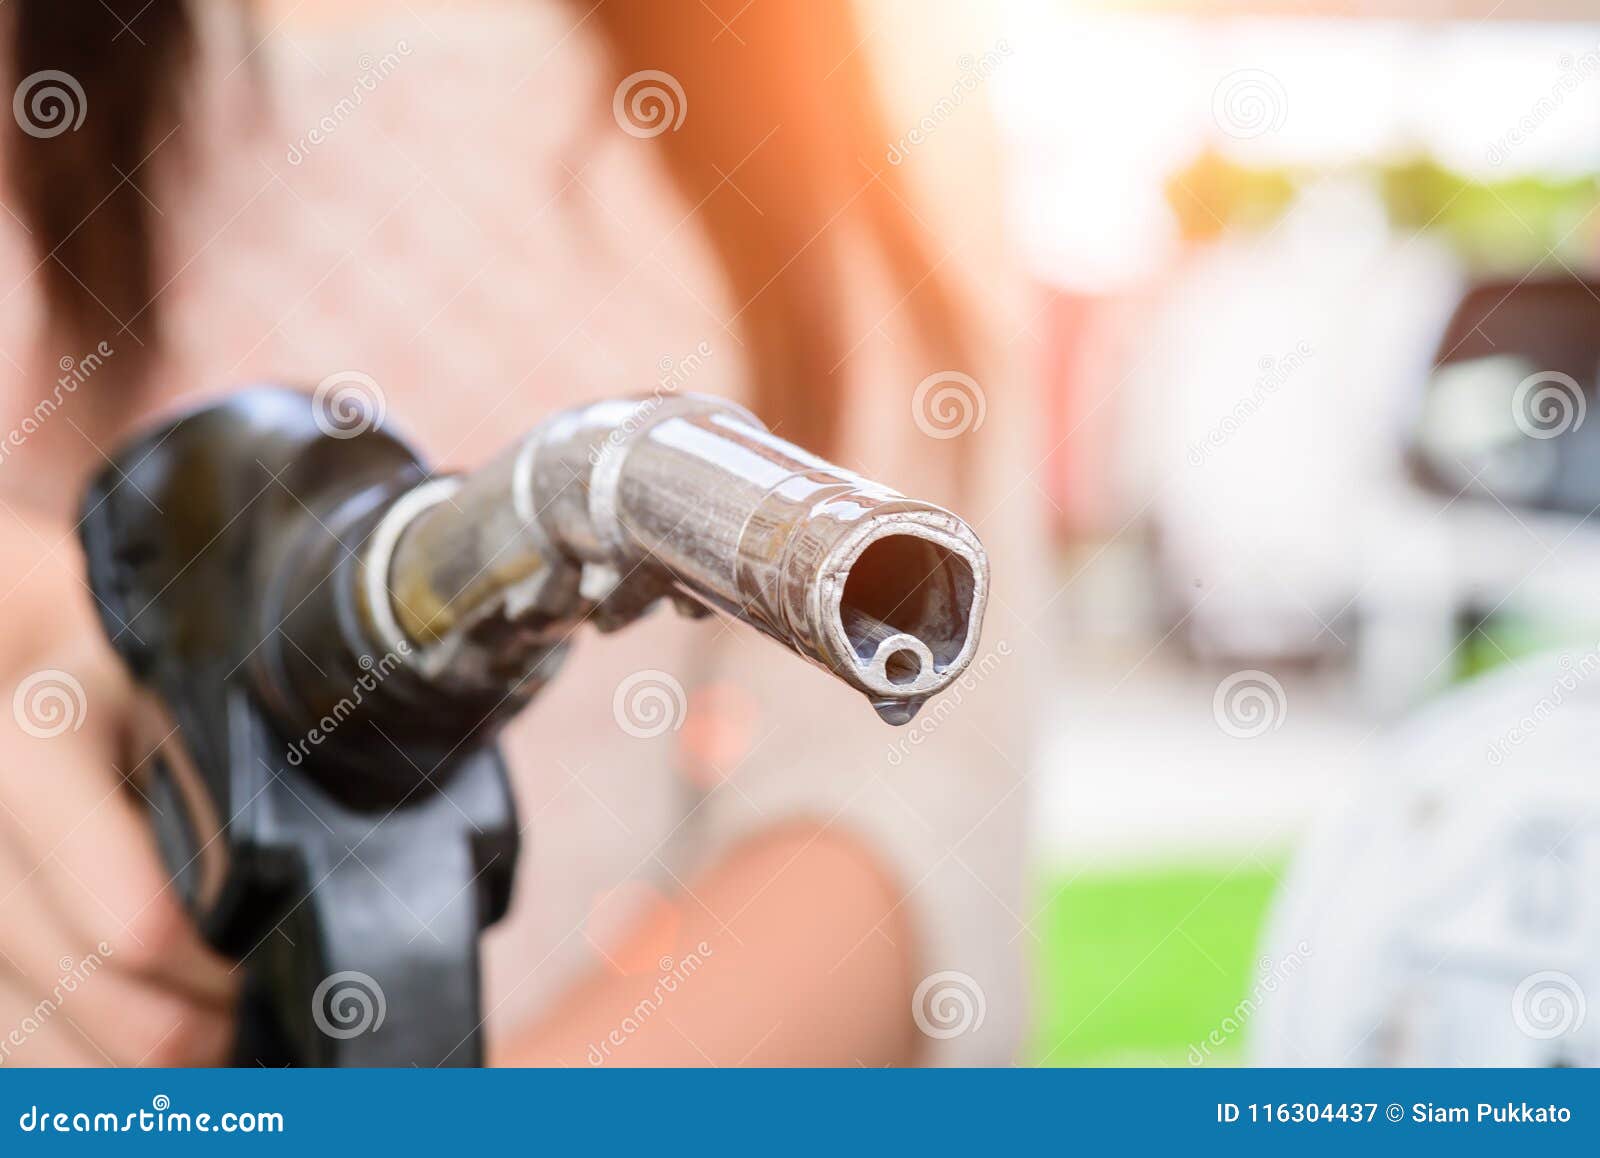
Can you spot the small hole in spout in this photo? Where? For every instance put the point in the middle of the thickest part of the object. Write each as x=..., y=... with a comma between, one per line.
x=907, y=585
x=902, y=667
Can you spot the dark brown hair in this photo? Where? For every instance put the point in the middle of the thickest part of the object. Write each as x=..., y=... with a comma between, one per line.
x=781, y=149
x=82, y=194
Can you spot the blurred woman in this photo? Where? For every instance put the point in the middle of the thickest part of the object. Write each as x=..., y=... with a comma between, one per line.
x=493, y=210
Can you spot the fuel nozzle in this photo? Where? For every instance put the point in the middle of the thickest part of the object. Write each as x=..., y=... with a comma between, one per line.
x=604, y=509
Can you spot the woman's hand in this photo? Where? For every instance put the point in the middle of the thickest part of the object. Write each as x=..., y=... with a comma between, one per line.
x=99, y=964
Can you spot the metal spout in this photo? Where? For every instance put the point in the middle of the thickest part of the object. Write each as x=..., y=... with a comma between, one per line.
x=603, y=509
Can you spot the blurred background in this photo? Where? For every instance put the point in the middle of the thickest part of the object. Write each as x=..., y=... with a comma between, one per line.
x=1313, y=306
x=1320, y=328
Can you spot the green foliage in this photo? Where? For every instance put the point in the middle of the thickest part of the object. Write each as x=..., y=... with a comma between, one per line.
x=1498, y=227
x=1212, y=194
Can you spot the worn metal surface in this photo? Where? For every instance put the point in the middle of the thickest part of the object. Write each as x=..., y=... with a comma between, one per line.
x=604, y=509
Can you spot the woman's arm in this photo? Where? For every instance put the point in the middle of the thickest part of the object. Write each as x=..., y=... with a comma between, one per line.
x=793, y=950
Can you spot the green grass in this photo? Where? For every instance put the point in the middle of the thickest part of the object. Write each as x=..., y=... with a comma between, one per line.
x=1137, y=965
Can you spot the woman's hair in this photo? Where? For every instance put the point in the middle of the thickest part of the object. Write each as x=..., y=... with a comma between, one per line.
x=82, y=194
x=780, y=149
